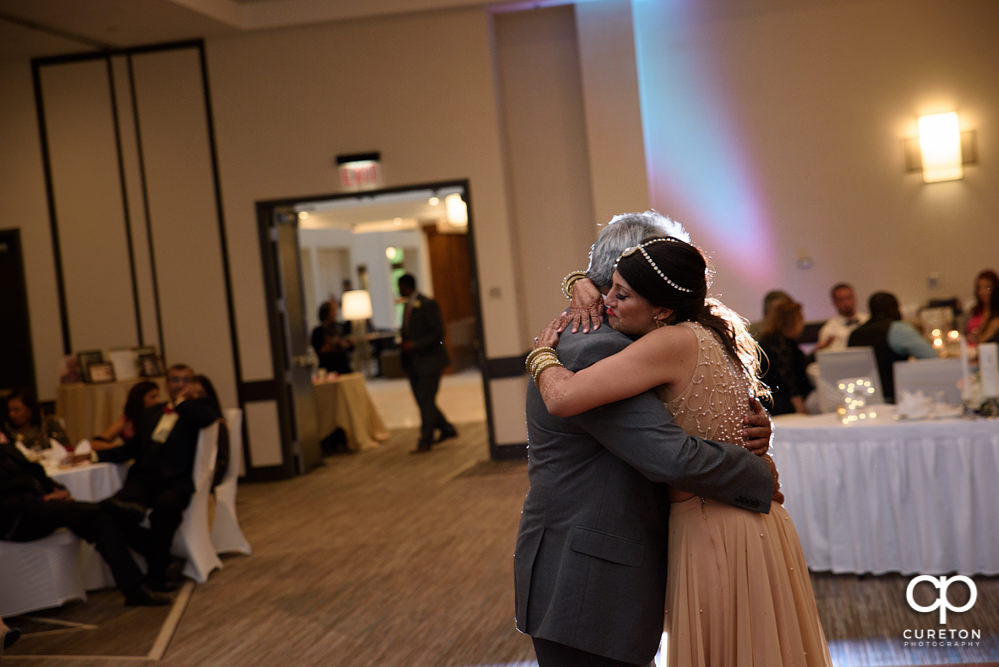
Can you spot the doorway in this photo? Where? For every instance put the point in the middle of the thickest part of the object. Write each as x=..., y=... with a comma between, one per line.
x=317, y=248
x=17, y=365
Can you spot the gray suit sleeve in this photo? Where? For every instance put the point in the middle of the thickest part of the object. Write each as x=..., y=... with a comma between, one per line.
x=640, y=431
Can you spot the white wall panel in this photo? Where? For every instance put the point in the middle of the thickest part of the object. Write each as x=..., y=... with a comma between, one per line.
x=183, y=217
x=88, y=205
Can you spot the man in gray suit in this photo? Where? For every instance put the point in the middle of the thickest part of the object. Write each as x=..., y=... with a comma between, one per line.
x=590, y=562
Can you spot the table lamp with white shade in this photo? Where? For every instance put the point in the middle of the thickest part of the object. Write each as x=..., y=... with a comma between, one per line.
x=357, y=310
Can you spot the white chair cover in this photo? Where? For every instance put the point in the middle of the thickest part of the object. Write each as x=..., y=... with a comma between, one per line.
x=853, y=362
x=40, y=574
x=193, y=540
x=226, y=534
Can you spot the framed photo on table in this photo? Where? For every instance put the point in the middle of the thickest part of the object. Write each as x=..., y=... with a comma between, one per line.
x=123, y=360
x=100, y=372
x=150, y=365
x=87, y=359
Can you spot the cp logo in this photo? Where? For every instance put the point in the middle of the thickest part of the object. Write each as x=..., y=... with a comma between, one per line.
x=942, y=602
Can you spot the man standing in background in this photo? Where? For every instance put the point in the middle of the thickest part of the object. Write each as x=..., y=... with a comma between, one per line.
x=835, y=333
x=424, y=359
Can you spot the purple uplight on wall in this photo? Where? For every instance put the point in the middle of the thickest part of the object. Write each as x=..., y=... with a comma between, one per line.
x=698, y=171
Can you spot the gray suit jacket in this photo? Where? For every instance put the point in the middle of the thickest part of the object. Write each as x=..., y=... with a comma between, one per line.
x=590, y=564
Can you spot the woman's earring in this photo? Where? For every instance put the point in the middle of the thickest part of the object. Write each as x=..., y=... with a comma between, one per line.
x=659, y=323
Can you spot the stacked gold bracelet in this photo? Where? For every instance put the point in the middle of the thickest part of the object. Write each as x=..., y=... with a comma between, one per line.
x=540, y=359
x=570, y=280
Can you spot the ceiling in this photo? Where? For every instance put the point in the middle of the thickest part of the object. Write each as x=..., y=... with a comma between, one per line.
x=379, y=212
x=37, y=28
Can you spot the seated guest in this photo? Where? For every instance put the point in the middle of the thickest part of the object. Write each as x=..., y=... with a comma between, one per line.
x=330, y=342
x=786, y=368
x=770, y=299
x=835, y=333
x=27, y=424
x=892, y=339
x=989, y=330
x=161, y=478
x=985, y=283
x=142, y=395
x=203, y=388
x=32, y=506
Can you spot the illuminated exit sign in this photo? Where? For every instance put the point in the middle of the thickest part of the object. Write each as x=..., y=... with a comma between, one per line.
x=359, y=171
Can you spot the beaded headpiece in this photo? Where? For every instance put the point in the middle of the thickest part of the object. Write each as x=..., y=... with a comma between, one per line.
x=655, y=267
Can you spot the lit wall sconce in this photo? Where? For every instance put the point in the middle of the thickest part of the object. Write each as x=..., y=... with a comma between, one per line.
x=942, y=150
x=456, y=210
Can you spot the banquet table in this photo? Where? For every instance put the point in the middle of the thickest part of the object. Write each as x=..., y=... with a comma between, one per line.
x=48, y=572
x=89, y=408
x=91, y=481
x=891, y=495
x=343, y=402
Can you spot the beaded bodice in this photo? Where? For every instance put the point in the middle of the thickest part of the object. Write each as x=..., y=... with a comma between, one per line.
x=713, y=404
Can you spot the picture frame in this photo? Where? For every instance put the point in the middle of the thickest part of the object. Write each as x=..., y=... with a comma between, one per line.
x=124, y=361
x=150, y=365
x=87, y=358
x=101, y=372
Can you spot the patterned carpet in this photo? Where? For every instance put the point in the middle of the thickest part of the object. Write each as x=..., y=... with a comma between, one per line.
x=386, y=559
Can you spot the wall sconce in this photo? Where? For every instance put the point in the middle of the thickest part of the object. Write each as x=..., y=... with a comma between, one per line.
x=456, y=210
x=942, y=150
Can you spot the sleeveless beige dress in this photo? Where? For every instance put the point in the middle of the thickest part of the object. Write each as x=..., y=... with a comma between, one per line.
x=738, y=592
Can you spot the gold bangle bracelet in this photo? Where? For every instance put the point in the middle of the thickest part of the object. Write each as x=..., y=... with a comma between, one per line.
x=569, y=280
x=545, y=366
x=535, y=353
x=540, y=358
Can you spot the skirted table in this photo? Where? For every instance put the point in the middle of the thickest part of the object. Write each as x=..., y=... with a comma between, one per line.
x=343, y=402
x=890, y=495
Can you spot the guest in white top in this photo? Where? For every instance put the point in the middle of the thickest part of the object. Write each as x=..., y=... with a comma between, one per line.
x=835, y=333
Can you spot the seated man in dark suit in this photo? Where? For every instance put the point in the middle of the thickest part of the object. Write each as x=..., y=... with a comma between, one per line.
x=32, y=506
x=161, y=478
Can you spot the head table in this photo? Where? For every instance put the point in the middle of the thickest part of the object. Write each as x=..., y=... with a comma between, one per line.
x=891, y=495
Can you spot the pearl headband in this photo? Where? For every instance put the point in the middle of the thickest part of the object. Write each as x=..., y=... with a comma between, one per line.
x=655, y=267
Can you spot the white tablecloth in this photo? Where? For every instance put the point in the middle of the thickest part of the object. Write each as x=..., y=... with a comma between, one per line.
x=91, y=482
x=48, y=572
x=892, y=496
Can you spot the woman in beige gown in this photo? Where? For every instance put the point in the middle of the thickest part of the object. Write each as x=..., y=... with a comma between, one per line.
x=738, y=591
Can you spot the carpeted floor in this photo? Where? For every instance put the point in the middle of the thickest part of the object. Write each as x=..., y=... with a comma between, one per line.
x=388, y=559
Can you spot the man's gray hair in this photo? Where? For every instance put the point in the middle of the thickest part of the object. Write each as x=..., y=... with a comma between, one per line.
x=623, y=232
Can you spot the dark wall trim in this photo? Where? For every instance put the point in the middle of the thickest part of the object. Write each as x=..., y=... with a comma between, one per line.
x=504, y=367
x=145, y=204
x=36, y=77
x=220, y=215
x=261, y=390
x=124, y=204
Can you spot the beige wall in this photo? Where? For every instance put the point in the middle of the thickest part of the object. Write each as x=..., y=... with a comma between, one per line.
x=809, y=106
x=22, y=205
x=416, y=88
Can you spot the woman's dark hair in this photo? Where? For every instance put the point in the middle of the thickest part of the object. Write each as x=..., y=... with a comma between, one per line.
x=27, y=397
x=210, y=392
x=134, y=403
x=222, y=452
x=673, y=274
x=993, y=277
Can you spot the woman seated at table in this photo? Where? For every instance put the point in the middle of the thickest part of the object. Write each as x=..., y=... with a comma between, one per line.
x=989, y=330
x=786, y=364
x=203, y=387
x=26, y=424
x=985, y=283
x=143, y=395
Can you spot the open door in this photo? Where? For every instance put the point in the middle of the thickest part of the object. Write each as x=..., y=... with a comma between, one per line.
x=292, y=363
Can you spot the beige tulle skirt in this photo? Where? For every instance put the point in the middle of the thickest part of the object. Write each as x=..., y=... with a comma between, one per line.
x=738, y=592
